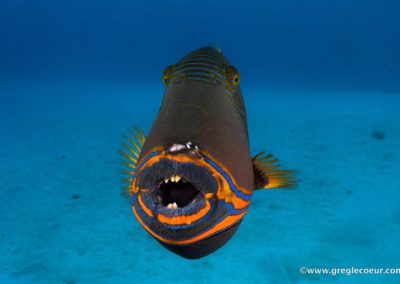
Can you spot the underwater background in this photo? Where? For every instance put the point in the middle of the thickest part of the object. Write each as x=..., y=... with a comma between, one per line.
x=321, y=83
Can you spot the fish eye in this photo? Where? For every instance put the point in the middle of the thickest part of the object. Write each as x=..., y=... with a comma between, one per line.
x=236, y=79
x=167, y=74
x=233, y=75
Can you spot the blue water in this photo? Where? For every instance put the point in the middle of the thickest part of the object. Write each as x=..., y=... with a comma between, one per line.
x=321, y=84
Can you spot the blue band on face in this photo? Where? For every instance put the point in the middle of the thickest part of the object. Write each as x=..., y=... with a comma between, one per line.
x=228, y=179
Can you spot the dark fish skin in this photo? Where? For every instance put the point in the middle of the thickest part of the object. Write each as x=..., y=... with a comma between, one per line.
x=203, y=247
x=204, y=113
x=192, y=178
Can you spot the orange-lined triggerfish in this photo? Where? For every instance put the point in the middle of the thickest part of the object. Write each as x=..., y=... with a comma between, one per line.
x=192, y=178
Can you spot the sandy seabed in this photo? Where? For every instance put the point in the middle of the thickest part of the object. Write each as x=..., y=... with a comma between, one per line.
x=63, y=219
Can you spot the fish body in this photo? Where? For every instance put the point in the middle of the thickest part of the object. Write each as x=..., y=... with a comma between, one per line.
x=192, y=178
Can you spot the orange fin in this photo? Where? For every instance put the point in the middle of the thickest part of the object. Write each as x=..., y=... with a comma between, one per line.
x=268, y=174
x=132, y=147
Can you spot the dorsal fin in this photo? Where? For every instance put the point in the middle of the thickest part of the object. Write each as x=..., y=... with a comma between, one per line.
x=133, y=146
x=217, y=47
x=267, y=173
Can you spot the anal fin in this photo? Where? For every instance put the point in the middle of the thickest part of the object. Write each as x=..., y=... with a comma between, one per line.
x=268, y=174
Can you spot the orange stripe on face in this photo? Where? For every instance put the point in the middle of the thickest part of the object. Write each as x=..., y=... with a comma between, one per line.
x=225, y=193
x=134, y=189
x=185, y=219
x=224, y=224
x=144, y=207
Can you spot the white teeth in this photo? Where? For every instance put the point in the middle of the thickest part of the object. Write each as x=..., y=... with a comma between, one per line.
x=172, y=206
x=175, y=178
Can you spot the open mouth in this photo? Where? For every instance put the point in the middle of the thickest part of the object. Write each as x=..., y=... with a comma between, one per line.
x=176, y=185
x=175, y=192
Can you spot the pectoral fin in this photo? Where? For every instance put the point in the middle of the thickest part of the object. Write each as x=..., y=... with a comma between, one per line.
x=132, y=147
x=268, y=174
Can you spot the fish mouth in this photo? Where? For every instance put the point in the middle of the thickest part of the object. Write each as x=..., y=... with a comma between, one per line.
x=177, y=192
x=176, y=185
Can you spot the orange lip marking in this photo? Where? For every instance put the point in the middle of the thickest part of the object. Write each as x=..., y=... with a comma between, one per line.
x=185, y=220
x=144, y=207
x=227, y=222
x=224, y=191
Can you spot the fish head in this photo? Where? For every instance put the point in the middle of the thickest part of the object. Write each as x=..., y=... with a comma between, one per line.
x=187, y=199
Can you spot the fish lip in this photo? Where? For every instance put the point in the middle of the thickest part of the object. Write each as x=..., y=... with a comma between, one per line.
x=199, y=177
x=192, y=208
